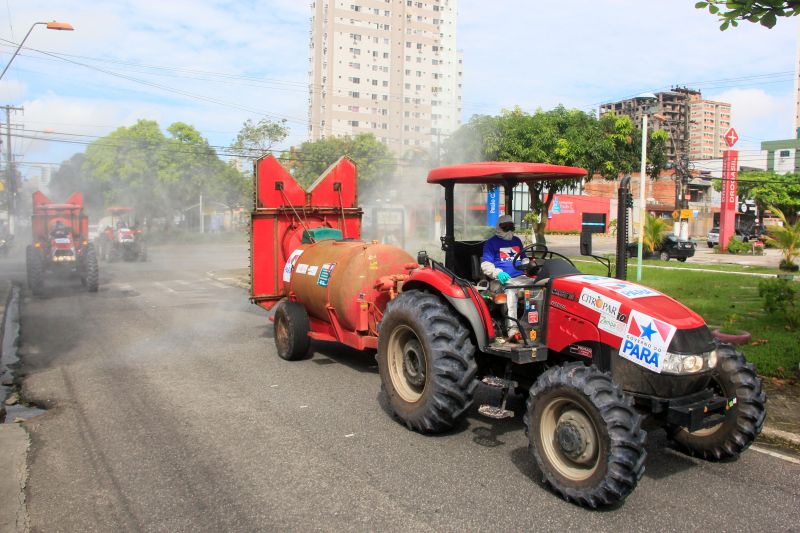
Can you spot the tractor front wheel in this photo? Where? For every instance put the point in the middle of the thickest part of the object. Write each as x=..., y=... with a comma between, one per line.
x=291, y=331
x=736, y=380
x=34, y=263
x=585, y=435
x=426, y=362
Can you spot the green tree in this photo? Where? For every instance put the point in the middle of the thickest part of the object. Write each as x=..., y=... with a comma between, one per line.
x=654, y=230
x=765, y=12
x=770, y=189
x=605, y=146
x=787, y=238
x=312, y=158
x=257, y=138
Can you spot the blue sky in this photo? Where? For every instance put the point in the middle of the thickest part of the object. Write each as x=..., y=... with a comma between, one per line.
x=214, y=64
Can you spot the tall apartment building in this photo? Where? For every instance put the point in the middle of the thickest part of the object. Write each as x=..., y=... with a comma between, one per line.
x=386, y=67
x=686, y=117
x=709, y=121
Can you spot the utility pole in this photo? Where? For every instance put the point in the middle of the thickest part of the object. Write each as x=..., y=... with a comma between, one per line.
x=11, y=180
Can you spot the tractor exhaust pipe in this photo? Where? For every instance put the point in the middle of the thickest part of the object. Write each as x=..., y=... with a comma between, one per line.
x=624, y=202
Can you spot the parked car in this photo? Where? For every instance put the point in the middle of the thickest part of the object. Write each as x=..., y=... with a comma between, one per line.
x=671, y=247
x=712, y=238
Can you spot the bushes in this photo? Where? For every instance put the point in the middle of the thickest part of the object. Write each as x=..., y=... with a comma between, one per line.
x=735, y=246
x=780, y=300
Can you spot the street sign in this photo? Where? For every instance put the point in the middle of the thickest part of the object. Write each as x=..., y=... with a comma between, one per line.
x=731, y=137
x=683, y=214
x=675, y=214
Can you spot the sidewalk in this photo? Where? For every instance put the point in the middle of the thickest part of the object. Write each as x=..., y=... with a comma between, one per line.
x=13, y=449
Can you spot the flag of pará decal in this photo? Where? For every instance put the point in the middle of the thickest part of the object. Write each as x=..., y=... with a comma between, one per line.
x=646, y=340
x=507, y=253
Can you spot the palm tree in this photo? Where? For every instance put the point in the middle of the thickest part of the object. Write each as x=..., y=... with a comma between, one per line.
x=654, y=229
x=787, y=238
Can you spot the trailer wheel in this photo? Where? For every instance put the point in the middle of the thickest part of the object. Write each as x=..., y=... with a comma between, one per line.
x=736, y=378
x=291, y=331
x=585, y=435
x=426, y=362
x=91, y=273
x=35, y=268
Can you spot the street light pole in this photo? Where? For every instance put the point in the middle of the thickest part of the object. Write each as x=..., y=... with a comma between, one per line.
x=62, y=26
x=642, y=205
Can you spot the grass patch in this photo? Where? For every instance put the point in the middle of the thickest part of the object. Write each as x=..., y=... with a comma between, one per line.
x=724, y=299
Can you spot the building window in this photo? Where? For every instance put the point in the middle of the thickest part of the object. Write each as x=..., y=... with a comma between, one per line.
x=784, y=153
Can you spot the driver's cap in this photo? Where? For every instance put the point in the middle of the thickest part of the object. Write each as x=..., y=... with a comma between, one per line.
x=505, y=219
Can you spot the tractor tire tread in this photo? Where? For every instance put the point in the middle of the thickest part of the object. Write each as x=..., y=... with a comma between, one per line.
x=750, y=412
x=626, y=456
x=454, y=368
x=297, y=326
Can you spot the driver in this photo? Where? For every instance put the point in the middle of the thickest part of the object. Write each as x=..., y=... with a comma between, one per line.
x=497, y=263
x=59, y=229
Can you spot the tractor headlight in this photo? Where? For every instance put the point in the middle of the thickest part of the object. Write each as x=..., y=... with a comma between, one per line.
x=675, y=363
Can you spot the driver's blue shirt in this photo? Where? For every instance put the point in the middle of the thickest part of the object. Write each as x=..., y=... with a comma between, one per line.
x=501, y=253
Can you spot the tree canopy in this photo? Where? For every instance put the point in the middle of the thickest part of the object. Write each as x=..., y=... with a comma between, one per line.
x=770, y=189
x=607, y=146
x=257, y=138
x=765, y=12
x=373, y=159
x=158, y=175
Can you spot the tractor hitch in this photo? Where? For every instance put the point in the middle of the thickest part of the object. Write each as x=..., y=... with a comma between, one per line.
x=700, y=410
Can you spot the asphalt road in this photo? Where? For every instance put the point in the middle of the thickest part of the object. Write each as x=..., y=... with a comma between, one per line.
x=168, y=410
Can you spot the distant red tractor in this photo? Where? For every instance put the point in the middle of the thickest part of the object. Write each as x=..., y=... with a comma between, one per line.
x=60, y=243
x=119, y=236
x=598, y=357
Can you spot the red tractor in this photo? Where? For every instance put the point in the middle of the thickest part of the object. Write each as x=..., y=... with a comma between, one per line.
x=119, y=236
x=60, y=243
x=599, y=356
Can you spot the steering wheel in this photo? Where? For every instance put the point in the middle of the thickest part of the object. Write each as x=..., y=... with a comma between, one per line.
x=537, y=252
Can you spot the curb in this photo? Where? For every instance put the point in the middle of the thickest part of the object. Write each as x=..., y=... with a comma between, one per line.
x=783, y=437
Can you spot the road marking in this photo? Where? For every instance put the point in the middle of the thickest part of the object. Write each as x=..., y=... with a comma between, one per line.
x=164, y=287
x=183, y=282
x=777, y=455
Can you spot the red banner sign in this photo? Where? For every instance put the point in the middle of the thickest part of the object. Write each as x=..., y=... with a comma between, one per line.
x=727, y=207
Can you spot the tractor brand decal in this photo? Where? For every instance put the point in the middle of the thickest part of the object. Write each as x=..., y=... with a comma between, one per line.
x=623, y=288
x=646, y=340
x=325, y=274
x=615, y=327
x=312, y=270
x=597, y=302
x=622, y=317
x=564, y=294
x=580, y=349
x=302, y=268
x=558, y=305
x=287, y=269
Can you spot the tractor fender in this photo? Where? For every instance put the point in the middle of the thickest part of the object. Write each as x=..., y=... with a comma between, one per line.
x=470, y=306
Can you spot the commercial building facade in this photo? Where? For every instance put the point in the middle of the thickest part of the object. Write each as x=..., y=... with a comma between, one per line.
x=386, y=67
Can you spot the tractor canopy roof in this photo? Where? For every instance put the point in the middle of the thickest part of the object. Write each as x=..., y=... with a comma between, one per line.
x=501, y=172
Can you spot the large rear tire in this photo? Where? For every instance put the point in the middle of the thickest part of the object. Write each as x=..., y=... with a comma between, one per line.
x=585, y=435
x=426, y=362
x=91, y=273
x=736, y=379
x=34, y=263
x=291, y=331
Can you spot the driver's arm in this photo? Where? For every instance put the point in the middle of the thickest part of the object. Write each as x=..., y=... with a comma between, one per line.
x=488, y=266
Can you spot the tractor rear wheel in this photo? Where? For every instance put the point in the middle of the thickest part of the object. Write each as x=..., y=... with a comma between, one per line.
x=91, y=272
x=291, y=331
x=426, y=362
x=585, y=435
x=35, y=267
x=736, y=380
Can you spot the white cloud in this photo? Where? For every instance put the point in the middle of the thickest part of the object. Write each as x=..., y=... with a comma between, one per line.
x=11, y=90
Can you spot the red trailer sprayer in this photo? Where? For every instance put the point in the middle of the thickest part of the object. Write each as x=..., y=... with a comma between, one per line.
x=598, y=358
x=60, y=243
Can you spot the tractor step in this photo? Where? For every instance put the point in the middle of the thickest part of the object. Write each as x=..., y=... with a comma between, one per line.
x=495, y=412
x=499, y=383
